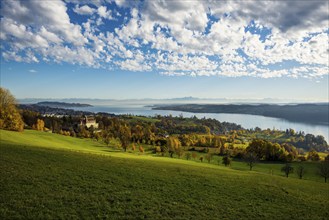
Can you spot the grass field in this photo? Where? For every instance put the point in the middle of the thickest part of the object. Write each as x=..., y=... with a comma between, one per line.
x=52, y=176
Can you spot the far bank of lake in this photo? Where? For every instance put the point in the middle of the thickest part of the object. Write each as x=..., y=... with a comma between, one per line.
x=245, y=120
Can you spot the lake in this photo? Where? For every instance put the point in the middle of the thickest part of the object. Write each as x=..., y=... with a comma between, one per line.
x=246, y=121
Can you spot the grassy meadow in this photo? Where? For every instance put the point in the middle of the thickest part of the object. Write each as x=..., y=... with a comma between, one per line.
x=47, y=175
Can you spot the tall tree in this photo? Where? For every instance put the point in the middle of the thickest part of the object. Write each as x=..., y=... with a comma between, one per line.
x=10, y=118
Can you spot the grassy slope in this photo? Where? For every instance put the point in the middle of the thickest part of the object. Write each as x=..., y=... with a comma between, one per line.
x=48, y=182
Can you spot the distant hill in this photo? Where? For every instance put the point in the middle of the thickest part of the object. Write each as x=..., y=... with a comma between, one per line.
x=312, y=113
x=62, y=104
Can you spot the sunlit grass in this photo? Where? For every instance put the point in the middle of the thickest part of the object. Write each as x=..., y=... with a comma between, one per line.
x=52, y=176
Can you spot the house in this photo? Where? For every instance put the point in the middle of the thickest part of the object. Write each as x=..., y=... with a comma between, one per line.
x=89, y=121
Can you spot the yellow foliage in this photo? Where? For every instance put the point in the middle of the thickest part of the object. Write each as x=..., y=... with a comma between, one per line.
x=10, y=118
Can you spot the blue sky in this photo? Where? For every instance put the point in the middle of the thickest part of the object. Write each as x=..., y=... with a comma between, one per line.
x=165, y=49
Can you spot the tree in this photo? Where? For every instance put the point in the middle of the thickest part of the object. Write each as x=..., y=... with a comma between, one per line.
x=188, y=155
x=324, y=170
x=226, y=160
x=39, y=126
x=107, y=140
x=124, y=136
x=257, y=147
x=194, y=155
x=326, y=158
x=141, y=149
x=174, y=145
x=300, y=171
x=313, y=155
x=10, y=119
x=208, y=157
x=201, y=158
x=250, y=158
x=287, y=169
x=133, y=147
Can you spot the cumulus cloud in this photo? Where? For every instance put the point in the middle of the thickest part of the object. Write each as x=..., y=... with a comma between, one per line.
x=84, y=10
x=104, y=13
x=196, y=38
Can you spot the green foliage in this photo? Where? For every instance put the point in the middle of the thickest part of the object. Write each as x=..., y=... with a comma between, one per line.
x=300, y=171
x=324, y=170
x=251, y=159
x=287, y=169
x=208, y=157
x=188, y=155
x=226, y=160
x=10, y=119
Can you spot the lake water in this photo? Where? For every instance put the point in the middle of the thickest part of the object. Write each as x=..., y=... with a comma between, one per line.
x=246, y=121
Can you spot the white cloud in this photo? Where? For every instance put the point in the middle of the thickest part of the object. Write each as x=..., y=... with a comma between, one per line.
x=84, y=10
x=50, y=14
x=196, y=38
x=33, y=71
x=104, y=13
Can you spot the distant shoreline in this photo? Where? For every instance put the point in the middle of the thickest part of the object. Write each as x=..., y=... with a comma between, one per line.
x=62, y=104
x=307, y=113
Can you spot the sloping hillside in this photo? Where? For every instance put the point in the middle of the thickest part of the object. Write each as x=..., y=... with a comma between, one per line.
x=52, y=182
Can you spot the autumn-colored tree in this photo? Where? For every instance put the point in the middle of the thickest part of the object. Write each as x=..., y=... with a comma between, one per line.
x=174, y=146
x=10, y=119
x=194, y=155
x=158, y=150
x=124, y=136
x=313, y=155
x=39, y=126
x=133, y=147
x=141, y=149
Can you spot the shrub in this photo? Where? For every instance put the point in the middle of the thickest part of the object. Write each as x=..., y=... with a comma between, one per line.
x=141, y=149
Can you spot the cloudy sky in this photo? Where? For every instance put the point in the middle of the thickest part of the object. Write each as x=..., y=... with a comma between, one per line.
x=165, y=49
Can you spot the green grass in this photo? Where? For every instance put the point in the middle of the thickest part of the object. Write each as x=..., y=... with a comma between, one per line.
x=141, y=118
x=52, y=176
x=56, y=141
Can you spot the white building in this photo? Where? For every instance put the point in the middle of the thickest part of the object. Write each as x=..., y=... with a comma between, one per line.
x=89, y=121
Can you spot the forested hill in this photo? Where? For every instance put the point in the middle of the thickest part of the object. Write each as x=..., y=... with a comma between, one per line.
x=312, y=113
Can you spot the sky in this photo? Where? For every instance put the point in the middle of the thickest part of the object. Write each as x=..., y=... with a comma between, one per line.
x=120, y=49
